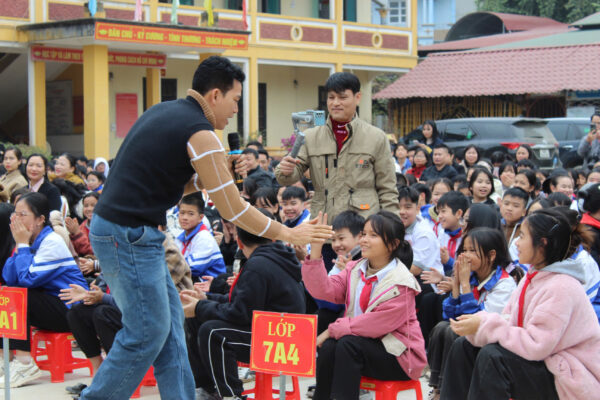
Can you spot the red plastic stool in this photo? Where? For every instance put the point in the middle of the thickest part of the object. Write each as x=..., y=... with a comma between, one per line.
x=58, y=352
x=263, y=387
x=148, y=380
x=388, y=390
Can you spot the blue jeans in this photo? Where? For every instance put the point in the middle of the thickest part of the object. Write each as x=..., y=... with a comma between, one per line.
x=133, y=264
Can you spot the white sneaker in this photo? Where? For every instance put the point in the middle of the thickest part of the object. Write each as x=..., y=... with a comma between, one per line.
x=21, y=374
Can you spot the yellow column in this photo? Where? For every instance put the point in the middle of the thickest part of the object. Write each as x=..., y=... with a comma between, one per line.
x=204, y=56
x=153, y=10
x=252, y=11
x=152, y=87
x=39, y=101
x=95, y=101
x=253, y=93
x=39, y=10
x=339, y=19
x=339, y=67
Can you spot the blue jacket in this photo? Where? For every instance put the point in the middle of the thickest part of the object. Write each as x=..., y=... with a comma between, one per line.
x=493, y=295
x=47, y=264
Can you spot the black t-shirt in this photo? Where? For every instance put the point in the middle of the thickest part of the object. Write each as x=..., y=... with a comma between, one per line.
x=152, y=166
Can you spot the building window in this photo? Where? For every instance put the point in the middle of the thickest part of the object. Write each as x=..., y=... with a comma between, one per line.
x=350, y=10
x=397, y=12
x=322, y=100
x=168, y=90
x=269, y=6
x=262, y=110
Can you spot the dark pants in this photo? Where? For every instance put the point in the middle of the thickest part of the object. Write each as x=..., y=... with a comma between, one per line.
x=341, y=363
x=94, y=327
x=44, y=311
x=325, y=317
x=429, y=310
x=493, y=373
x=218, y=346
x=440, y=341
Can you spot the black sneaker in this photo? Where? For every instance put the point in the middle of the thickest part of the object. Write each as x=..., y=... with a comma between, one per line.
x=76, y=389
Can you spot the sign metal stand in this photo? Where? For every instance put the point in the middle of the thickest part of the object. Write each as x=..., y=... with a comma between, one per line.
x=6, y=367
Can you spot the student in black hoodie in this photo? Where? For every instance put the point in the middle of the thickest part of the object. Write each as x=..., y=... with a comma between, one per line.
x=219, y=325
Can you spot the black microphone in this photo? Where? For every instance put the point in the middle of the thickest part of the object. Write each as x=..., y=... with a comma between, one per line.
x=233, y=139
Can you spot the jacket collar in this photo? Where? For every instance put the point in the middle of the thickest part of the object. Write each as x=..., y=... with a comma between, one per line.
x=208, y=112
x=40, y=237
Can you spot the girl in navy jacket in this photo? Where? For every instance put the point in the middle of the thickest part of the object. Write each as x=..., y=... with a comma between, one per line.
x=43, y=264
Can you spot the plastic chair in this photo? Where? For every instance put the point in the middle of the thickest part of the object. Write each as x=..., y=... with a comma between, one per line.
x=263, y=387
x=58, y=352
x=148, y=380
x=388, y=390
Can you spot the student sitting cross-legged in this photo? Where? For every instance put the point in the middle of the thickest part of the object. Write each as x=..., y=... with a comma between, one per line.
x=219, y=326
x=379, y=336
x=43, y=264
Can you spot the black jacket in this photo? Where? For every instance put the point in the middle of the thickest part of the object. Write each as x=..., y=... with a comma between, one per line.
x=432, y=172
x=269, y=281
x=52, y=193
x=263, y=178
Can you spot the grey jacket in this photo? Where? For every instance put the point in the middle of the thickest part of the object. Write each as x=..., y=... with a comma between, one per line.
x=587, y=150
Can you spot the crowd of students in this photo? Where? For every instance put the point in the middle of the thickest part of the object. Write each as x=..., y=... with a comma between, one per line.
x=487, y=276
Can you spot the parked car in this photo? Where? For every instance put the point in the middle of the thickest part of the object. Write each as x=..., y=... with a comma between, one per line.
x=499, y=134
x=568, y=132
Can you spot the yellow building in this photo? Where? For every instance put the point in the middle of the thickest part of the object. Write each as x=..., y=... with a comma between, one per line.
x=78, y=83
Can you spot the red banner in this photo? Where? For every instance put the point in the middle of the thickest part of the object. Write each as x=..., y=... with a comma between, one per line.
x=169, y=36
x=127, y=112
x=13, y=312
x=57, y=54
x=283, y=343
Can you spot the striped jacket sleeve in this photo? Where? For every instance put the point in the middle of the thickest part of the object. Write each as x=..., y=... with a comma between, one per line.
x=212, y=173
x=204, y=257
x=27, y=270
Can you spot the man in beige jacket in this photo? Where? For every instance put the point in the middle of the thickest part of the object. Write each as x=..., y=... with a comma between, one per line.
x=350, y=161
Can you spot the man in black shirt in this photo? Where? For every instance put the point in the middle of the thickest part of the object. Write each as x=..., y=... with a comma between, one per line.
x=171, y=146
x=441, y=168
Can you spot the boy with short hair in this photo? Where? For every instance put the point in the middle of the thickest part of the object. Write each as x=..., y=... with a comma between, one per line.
x=196, y=243
x=451, y=210
x=426, y=248
x=513, y=208
x=293, y=206
x=219, y=326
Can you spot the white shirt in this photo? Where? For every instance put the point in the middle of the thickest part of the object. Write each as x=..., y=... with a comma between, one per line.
x=359, y=287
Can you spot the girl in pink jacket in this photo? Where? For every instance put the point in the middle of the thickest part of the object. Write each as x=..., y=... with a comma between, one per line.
x=546, y=343
x=379, y=336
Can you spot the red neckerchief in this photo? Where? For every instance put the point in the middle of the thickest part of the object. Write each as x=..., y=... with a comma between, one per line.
x=341, y=133
x=234, y=283
x=453, y=242
x=365, y=294
x=587, y=219
x=187, y=242
x=522, y=297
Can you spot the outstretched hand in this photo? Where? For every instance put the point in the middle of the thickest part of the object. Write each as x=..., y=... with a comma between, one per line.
x=315, y=232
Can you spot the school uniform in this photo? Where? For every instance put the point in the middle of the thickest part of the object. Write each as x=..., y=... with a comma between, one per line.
x=300, y=219
x=451, y=240
x=591, y=277
x=512, y=234
x=378, y=336
x=201, y=251
x=45, y=268
x=492, y=294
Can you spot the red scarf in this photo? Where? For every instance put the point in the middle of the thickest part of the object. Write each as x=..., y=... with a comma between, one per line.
x=234, y=283
x=365, y=295
x=186, y=244
x=341, y=133
x=452, y=243
x=417, y=171
x=522, y=297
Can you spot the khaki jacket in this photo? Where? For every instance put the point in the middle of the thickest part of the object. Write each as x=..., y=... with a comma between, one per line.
x=361, y=177
x=9, y=183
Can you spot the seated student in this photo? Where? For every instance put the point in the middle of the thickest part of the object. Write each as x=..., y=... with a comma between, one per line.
x=379, y=335
x=266, y=198
x=527, y=181
x=442, y=164
x=426, y=256
x=439, y=187
x=544, y=345
x=481, y=184
x=481, y=281
x=95, y=181
x=219, y=327
x=255, y=172
x=79, y=233
x=42, y=263
x=196, y=242
x=451, y=208
x=513, y=208
x=347, y=228
x=424, y=200
x=292, y=205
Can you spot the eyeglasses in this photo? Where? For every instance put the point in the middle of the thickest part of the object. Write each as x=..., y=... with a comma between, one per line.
x=20, y=214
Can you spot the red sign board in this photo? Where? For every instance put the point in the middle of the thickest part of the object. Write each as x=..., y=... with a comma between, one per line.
x=169, y=36
x=13, y=312
x=283, y=343
x=127, y=112
x=43, y=53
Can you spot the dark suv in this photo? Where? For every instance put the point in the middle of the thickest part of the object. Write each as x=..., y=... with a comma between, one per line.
x=568, y=132
x=499, y=134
